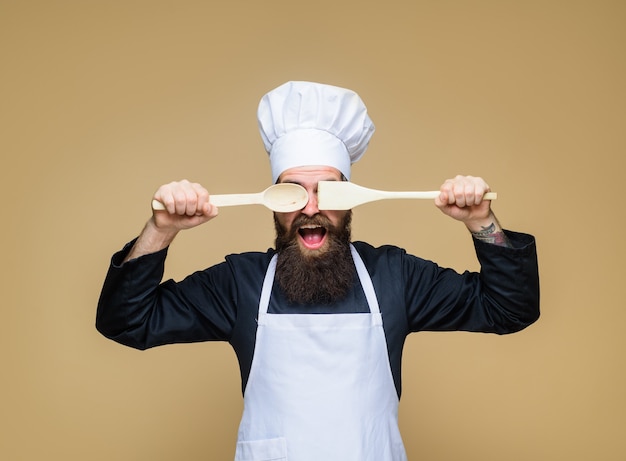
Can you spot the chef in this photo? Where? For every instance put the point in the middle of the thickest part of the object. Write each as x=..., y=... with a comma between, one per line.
x=318, y=323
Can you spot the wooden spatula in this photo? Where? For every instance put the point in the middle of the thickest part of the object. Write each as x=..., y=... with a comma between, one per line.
x=344, y=195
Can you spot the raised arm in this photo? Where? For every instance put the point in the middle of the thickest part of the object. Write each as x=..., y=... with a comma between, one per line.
x=136, y=309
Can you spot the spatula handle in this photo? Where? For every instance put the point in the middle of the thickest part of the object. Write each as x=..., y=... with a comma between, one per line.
x=432, y=194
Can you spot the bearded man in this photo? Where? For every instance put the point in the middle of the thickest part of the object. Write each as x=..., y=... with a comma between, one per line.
x=319, y=322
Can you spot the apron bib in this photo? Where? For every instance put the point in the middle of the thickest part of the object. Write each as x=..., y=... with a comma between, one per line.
x=320, y=386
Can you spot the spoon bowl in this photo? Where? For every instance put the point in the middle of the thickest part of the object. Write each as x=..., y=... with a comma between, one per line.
x=285, y=197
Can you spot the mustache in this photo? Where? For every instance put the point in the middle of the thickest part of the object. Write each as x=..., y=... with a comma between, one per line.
x=315, y=220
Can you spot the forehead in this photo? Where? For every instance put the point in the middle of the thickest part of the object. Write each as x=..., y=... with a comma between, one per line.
x=310, y=173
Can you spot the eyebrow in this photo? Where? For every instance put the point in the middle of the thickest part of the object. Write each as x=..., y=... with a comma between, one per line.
x=293, y=181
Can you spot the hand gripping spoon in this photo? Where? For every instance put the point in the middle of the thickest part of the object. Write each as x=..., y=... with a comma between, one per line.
x=344, y=195
x=283, y=197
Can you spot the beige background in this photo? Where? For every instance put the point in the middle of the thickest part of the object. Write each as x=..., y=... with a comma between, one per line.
x=103, y=101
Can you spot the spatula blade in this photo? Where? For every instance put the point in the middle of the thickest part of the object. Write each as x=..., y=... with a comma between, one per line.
x=343, y=195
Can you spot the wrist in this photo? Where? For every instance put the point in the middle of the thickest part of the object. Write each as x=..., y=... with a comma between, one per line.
x=483, y=224
x=158, y=236
x=151, y=240
x=488, y=231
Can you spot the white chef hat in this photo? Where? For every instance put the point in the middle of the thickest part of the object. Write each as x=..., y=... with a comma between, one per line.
x=305, y=123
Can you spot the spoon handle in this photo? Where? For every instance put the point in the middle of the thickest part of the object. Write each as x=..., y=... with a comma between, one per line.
x=236, y=199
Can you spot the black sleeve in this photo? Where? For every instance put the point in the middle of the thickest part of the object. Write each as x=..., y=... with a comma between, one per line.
x=136, y=310
x=502, y=298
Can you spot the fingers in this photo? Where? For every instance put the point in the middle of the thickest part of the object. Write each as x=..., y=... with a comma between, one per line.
x=184, y=198
x=462, y=191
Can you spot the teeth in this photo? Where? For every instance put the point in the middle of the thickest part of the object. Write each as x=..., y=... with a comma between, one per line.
x=309, y=226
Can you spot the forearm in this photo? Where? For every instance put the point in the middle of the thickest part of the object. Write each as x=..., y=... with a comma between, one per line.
x=151, y=240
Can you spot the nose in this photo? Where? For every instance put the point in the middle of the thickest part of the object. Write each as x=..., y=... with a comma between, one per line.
x=311, y=208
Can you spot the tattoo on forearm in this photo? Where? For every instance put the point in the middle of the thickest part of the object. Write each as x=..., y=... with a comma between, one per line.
x=488, y=234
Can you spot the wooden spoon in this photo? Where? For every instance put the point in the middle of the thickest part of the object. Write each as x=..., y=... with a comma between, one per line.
x=344, y=195
x=284, y=198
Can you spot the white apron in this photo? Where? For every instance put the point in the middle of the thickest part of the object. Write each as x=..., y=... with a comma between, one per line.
x=320, y=386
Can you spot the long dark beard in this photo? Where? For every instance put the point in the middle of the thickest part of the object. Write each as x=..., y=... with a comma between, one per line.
x=315, y=278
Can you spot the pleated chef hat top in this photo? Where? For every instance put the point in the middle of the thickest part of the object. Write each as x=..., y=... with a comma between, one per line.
x=305, y=123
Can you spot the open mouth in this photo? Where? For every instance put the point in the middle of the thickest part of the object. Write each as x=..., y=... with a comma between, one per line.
x=312, y=236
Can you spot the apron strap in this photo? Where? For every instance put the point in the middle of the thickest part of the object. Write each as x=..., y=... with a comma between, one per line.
x=366, y=281
x=268, y=282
